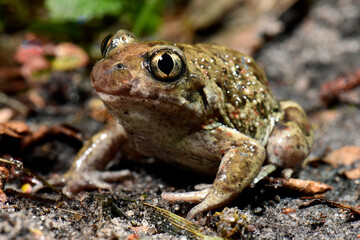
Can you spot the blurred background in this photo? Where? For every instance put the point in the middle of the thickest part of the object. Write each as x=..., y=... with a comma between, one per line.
x=309, y=49
x=46, y=24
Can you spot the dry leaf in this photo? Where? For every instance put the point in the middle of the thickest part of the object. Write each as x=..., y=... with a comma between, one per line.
x=344, y=156
x=54, y=130
x=14, y=128
x=307, y=187
x=330, y=203
x=4, y=175
x=327, y=116
x=332, y=89
x=6, y=114
x=353, y=173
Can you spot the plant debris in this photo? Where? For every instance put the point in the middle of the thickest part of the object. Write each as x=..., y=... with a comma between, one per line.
x=164, y=220
x=16, y=129
x=316, y=200
x=344, y=156
x=307, y=187
x=340, y=87
x=4, y=175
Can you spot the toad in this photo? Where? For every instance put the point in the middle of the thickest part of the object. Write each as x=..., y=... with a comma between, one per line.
x=203, y=107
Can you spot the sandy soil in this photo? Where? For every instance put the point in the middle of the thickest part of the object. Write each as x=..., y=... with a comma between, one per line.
x=323, y=46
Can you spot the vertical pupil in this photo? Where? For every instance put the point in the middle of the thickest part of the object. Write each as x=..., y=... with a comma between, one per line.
x=105, y=43
x=166, y=64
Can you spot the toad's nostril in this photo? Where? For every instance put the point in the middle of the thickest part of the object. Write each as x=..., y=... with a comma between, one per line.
x=119, y=66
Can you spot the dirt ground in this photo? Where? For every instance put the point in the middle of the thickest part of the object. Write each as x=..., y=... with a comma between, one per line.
x=324, y=45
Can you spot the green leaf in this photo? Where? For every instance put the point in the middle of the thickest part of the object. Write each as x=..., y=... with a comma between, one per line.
x=148, y=17
x=82, y=10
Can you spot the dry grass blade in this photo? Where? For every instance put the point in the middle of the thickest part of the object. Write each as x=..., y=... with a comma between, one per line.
x=317, y=200
x=171, y=222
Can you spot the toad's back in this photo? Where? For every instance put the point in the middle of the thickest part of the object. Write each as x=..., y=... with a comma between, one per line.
x=248, y=105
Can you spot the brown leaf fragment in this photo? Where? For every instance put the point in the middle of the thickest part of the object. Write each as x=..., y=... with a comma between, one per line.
x=4, y=175
x=307, y=187
x=344, y=156
x=14, y=128
x=327, y=116
x=18, y=126
x=331, y=90
x=353, y=173
x=46, y=131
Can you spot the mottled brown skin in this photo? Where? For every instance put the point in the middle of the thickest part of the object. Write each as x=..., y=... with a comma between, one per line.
x=203, y=107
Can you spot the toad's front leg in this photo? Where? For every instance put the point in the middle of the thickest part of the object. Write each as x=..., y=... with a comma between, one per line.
x=86, y=170
x=242, y=158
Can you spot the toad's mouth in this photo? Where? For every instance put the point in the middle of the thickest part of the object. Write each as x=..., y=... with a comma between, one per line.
x=161, y=104
x=128, y=99
x=113, y=98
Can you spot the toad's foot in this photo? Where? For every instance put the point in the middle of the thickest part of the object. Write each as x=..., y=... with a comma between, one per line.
x=89, y=180
x=86, y=171
x=85, y=181
x=239, y=166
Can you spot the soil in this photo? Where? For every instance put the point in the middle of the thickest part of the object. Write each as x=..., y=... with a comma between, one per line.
x=321, y=47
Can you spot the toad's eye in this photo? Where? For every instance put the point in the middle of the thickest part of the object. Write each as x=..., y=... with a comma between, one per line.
x=166, y=66
x=105, y=44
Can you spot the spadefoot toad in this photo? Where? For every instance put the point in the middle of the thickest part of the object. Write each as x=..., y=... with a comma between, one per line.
x=203, y=107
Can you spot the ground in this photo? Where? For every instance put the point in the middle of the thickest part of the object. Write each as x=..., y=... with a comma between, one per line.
x=323, y=46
